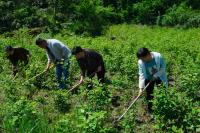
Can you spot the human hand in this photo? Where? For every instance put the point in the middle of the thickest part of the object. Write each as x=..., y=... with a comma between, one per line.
x=153, y=79
x=140, y=91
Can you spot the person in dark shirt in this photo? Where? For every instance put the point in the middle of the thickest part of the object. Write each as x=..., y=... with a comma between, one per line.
x=16, y=56
x=90, y=63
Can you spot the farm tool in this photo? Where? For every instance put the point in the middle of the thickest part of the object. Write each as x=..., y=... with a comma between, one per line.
x=132, y=103
x=37, y=75
x=75, y=86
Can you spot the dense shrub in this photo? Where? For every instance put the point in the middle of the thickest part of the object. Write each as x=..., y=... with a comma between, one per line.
x=181, y=15
x=174, y=112
x=23, y=116
x=195, y=4
x=147, y=11
x=92, y=16
x=81, y=121
x=99, y=98
x=62, y=101
x=190, y=84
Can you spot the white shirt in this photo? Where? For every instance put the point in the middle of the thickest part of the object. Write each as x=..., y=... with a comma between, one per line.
x=58, y=49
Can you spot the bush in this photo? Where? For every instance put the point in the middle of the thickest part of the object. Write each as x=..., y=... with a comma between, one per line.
x=62, y=101
x=22, y=117
x=85, y=122
x=190, y=83
x=99, y=98
x=181, y=15
x=91, y=17
x=174, y=111
x=147, y=11
x=195, y=4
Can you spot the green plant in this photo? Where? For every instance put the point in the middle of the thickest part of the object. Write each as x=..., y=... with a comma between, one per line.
x=23, y=117
x=91, y=110
x=91, y=17
x=181, y=15
x=99, y=98
x=84, y=122
x=62, y=101
x=174, y=111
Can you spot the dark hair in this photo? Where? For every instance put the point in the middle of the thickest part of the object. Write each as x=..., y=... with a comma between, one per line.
x=8, y=48
x=76, y=50
x=39, y=41
x=142, y=52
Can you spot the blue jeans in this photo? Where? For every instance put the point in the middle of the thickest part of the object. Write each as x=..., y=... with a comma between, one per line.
x=62, y=69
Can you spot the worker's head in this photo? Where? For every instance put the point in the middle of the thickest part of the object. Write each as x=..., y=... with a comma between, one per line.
x=144, y=54
x=9, y=50
x=42, y=43
x=78, y=52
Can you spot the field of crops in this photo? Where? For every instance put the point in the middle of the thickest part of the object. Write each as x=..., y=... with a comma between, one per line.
x=37, y=105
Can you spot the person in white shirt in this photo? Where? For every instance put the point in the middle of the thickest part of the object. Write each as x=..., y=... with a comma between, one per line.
x=152, y=70
x=59, y=54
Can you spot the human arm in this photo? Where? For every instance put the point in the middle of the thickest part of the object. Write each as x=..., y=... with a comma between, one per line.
x=141, y=76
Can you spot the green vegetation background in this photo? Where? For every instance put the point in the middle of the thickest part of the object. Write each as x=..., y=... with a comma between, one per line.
x=108, y=27
x=38, y=105
x=92, y=16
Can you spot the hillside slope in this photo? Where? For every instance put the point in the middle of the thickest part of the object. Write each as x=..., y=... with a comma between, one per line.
x=39, y=106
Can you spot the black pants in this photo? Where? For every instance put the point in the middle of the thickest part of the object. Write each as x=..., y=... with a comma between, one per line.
x=149, y=91
x=100, y=75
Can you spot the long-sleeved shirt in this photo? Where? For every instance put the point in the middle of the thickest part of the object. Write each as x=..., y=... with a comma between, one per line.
x=58, y=50
x=19, y=54
x=160, y=70
x=90, y=62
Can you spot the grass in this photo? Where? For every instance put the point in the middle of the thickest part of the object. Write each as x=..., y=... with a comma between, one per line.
x=179, y=47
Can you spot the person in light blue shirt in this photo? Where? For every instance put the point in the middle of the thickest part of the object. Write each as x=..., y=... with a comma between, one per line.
x=152, y=69
x=59, y=54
